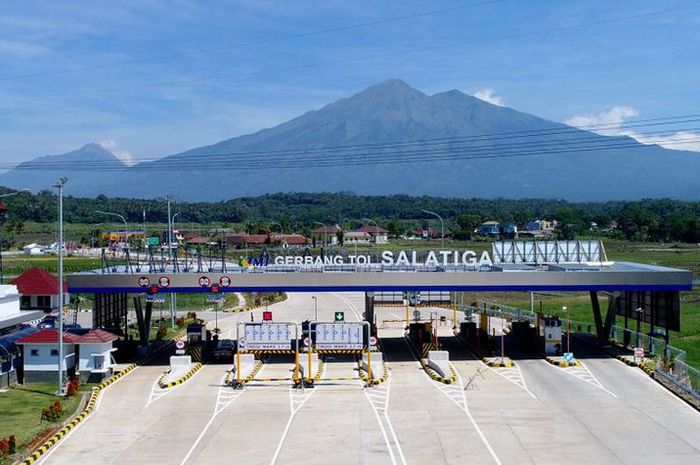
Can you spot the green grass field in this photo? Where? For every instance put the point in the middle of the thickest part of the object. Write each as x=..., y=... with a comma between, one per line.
x=20, y=411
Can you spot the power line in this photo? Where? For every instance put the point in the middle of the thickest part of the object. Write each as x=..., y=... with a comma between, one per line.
x=425, y=146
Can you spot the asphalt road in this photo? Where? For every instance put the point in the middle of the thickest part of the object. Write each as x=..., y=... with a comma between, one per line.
x=604, y=412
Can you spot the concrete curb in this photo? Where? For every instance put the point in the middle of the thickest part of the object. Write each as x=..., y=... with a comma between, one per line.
x=561, y=363
x=494, y=364
x=197, y=366
x=256, y=368
x=89, y=407
x=435, y=375
x=374, y=382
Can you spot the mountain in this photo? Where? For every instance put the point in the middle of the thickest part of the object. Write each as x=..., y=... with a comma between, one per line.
x=391, y=138
x=43, y=172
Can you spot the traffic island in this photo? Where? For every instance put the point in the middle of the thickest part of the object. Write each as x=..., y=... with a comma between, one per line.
x=559, y=361
x=437, y=366
x=169, y=380
x=498, y=362
x=378, y=367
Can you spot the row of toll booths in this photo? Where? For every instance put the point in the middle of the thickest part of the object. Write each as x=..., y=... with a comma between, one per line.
x=544, y=336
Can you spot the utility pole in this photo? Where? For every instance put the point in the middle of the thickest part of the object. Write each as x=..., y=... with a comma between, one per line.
x=442, y=228
x=170, y=259
x=59, y=185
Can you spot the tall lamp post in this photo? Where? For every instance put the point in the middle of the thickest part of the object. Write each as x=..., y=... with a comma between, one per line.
x=442, y=227
x=3, y=214
x=59, y=185
x=325, y=233
x=315, y=307
x=568, y=329
x=376, y=228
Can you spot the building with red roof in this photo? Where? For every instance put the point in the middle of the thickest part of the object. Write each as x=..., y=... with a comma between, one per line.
x=38, y=290
x=86, y=352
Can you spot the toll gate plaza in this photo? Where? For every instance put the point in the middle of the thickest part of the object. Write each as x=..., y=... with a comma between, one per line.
x=379, y=363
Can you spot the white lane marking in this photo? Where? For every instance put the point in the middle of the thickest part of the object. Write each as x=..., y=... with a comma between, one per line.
x=225, y=397
x=79, y=425
x=584, y=374
x=514, y=375
x=378, y=398
x=294, y=405
x=157, y=392
x=455, y=392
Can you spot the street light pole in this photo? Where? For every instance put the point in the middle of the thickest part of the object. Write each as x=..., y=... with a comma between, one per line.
x=376, y=228
x=325, y=233
x=59, y=185
x=442, y=228
x=315, y=307
x=568, y=329
x=3, y=212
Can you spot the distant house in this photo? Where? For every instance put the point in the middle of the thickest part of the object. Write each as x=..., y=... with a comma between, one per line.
x=38, y=290
x=120, y=236
x=327, y=235
x=424, y=233
x=489, y=228
x=508, y=230
x=357, y=237
x=40, y=355
x=378, y=234
x=33, y=249
x=541, y=228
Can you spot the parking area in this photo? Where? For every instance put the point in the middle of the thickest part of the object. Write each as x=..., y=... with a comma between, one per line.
x=534, y=412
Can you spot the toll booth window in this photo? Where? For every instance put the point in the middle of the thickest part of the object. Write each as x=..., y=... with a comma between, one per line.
x=54, y=352
x=34, y=352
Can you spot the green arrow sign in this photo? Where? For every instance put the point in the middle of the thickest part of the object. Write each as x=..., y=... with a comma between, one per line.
x=339, y=316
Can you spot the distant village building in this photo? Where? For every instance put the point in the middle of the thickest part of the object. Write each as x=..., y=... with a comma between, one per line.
x=326, y=235
x=507, y=230
x=38, y=290
x=378, y=234
x=33, y=249
x=541, y=228
x=357, y=237
x=120, y=236
x=489, y=228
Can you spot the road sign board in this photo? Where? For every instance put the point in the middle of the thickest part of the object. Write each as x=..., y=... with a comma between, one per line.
x=568, y=357
x=216, y=298
x=307, y=341
x=267, y=315
x=180, y=344
x=638, y=353
x=372, y=341
x=348, y=336
x=339, y=316
x=266, y=336
x=155, y=298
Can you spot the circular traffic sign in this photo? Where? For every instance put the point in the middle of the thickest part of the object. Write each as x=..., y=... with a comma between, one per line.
x=180, y=344
x=225, y=281
x=204, y=281
x=372, y=341
x=144, y=281
x=163, y=281
x=307, y=341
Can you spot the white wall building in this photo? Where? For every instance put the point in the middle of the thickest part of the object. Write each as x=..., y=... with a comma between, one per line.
x=10, y=314
x=40, y=355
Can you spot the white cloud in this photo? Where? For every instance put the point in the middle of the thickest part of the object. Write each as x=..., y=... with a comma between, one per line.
x=611, y=123
x=122, y=154
x=487, y=95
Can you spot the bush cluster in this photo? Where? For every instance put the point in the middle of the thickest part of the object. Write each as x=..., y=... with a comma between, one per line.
x=53, y=412
x=8, y=445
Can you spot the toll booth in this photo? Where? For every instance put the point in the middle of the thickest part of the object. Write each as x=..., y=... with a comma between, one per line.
x=523, y=335
x=197, y=341
x=550, y=331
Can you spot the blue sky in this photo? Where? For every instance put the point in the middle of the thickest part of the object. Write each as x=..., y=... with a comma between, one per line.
x=152, y=78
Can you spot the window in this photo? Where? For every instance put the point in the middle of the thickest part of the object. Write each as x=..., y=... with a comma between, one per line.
x=43, y=301
x=54, y=352
x=34, y=352
x=26, y=302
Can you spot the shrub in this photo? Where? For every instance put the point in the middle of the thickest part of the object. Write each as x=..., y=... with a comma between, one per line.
x=12, y=444
x=180, y=322
x=4, y=447
x=162, y=331
x=192, y=315
x=73, y=386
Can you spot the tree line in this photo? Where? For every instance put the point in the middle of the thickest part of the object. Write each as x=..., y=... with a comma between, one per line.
x=644, y=220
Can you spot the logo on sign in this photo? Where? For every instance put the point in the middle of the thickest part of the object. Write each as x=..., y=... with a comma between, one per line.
x=225, y=281
x=144, y=281
x=163, y=281
x=204, y=281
